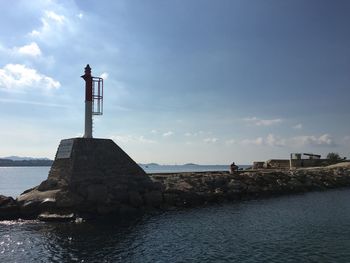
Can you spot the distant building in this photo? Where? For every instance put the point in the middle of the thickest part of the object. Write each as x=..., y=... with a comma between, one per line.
x=312, y=160
x=296, y=160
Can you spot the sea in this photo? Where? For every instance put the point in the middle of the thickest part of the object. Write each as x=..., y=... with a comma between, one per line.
x=308, y=227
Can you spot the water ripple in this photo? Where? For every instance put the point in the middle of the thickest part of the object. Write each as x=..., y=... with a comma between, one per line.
x=312, y=227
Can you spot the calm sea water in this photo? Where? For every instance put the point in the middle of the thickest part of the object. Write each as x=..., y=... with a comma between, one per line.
x=312, y=227
x=14, y=180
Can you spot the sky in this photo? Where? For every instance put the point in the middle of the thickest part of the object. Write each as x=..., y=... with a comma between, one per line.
x=201, y=81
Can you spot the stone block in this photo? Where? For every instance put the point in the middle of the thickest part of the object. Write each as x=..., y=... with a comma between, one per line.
x=49, y=184
x=135, y=199
x=119, y=195
x=68, y=200
x=9, y=208
x=97, y=193
x=154, y=198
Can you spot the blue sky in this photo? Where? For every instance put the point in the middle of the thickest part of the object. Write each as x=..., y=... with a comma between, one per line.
x=201, y=81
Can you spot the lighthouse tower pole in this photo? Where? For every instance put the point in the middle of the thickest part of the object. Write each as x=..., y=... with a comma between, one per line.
x=88, y=102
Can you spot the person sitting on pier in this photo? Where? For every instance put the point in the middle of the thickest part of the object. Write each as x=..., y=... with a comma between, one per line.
x=233, y=168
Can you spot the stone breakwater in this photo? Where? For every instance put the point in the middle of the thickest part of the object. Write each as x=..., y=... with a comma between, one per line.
x=192, y=189
x=167, y=191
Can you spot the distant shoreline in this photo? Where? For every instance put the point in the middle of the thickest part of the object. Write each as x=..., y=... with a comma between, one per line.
x=24, y=163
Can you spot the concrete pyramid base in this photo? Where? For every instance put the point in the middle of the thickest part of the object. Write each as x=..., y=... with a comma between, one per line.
x=91, y=176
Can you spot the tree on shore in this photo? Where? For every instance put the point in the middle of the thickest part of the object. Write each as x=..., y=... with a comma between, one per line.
x=333, y=156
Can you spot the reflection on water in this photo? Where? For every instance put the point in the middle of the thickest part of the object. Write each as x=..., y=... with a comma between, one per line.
x=312, y=227
x=33, y=241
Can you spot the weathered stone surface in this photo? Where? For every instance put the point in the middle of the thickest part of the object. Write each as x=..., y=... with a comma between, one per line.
x=36, y=195
x=9, y=208
x=49, y=184
x=30, y=209
x=99, y=178
x=119, y=195
x=107, y=209
x=128, y=211
x=94, y=158
x=33, y=202
x=96, y=193
x=68, y=199
x=195, y=188
x=48, y=203
x=154, y=198
x=7, y=201
x=135, y=199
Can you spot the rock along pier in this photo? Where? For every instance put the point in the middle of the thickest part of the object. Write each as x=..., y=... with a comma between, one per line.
x=113, y=193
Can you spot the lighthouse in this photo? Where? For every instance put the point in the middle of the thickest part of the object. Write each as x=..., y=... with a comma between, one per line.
x=91, y=176
x=93, y=99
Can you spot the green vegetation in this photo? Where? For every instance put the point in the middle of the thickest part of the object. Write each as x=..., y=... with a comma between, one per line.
x=334, y=156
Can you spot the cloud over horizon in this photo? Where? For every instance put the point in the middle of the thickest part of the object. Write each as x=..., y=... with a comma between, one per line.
x=262, y=122
x=211, y=140
x=297, y=141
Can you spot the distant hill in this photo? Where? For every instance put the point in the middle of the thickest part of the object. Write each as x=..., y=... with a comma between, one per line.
x=19, y=158
x=13, y=161
x=152, y=164
x=148, y=164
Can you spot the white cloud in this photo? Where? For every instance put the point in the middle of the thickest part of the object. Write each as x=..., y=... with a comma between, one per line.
x=257, y=141
x=55, y=17
x=167, y=134
x=298, y=126
x=211, y=140
x=104, y=75
x=80, y=15
x=261, y=122
x=154, y=131
x=31, y=49
x=142, y=139
x=54, y=28
x=18, y=77
x=231, y=141
x=307, y=140
x=323, y=140
x=49, y=21
x=131, y=139
x=195, y=134
x=272, y=140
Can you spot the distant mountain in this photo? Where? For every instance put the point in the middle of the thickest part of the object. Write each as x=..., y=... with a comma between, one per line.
x=14, y=161
x=148, y=164
x=190, y=164
x=18, y=158
x=152, y=164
